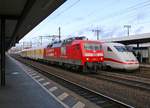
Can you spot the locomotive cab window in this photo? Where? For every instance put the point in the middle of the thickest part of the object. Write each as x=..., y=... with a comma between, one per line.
x=121, y=48
x=91, y=46
x=109, y=49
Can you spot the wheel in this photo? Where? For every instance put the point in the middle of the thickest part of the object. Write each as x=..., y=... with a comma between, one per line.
x=108, y=68
x=84, y=69
x=95, y=69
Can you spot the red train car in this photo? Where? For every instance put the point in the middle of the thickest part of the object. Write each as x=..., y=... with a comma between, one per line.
x=77, y=53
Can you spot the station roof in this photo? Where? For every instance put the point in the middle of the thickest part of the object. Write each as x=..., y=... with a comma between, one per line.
x=132, y=39
x=21, y=16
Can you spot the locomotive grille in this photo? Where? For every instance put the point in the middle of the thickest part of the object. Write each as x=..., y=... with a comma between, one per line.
x=93, y=54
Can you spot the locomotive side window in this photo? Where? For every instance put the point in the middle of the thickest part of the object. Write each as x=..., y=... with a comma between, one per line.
x=100, y=47
x=63, y=50
x=109, y=49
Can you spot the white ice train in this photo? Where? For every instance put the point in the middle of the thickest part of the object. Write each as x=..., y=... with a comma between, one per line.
x=117, y=56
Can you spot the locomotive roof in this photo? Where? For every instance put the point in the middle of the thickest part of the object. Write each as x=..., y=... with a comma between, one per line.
x=72, y=40
x=65, y=41
x=87, y=41
x=113, y=43
x=76, y=38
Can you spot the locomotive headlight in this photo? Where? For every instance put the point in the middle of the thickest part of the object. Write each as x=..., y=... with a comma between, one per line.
x=87, y=58
x=101, y=58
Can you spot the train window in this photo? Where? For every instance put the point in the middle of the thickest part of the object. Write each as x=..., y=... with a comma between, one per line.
x=121, y=48
x=100, y=47
x=109, y=49
x=63, y=50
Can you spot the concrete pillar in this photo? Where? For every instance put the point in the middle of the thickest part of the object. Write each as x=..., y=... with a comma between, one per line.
x=137, y=45
x=2, y=51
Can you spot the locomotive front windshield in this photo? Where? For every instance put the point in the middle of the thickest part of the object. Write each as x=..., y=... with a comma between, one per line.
x=121, y=48
x=92, y=46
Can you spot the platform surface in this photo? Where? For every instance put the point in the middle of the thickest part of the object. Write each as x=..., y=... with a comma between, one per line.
x=145, y=65
x=23, y=92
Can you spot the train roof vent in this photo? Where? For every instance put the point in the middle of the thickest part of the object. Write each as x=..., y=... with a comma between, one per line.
x=81, y=38
x=54, y=44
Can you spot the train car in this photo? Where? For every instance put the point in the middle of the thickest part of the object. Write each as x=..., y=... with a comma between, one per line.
x=117, y=56
x=25, y=53
x=76, y=53
x=33, y=53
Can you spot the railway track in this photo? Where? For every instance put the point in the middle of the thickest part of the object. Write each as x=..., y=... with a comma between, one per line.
x=128, y=80
x=144, y=69
x=142, y=72
x=100, y=99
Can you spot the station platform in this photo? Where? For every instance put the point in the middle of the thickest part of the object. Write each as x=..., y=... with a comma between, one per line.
x=22, y=92
x=145, y=65
x=26, y=88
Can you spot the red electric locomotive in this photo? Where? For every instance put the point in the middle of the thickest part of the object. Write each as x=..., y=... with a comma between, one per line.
x=76, y=52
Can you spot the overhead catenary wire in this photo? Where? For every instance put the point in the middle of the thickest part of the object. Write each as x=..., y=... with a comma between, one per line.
x=125, y=11
x=118, y=13
x=66, y=9
x=121, y=12
x=128, y=10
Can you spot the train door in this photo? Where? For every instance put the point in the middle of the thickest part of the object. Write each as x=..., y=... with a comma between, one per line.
x=109, y=56
x=76, y=51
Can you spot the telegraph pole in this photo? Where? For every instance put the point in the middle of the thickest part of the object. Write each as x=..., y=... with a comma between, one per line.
x=59, y=29
x=97, y=32
x=128, y=27
x=41, y=40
